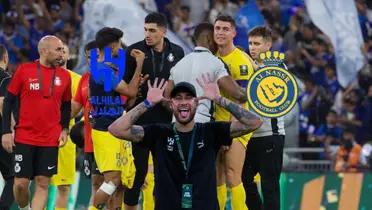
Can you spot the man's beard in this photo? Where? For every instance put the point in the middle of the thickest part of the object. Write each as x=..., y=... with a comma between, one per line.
x=62, y=63
x=185, y=122
x=55, y=63
x=192, y=116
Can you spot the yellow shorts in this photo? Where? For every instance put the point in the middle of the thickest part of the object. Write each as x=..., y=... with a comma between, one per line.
x=129, y=169
x=113, y=154
x=222, y=114
x=66, y=165
x=244, y=139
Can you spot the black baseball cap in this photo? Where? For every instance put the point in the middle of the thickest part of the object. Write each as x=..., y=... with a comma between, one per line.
x=183, y=87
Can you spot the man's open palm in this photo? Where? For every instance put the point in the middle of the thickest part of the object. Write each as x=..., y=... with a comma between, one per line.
x=209, y=86
x=155, y=92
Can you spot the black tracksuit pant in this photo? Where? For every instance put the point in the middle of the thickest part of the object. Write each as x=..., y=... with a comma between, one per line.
x=264, y=155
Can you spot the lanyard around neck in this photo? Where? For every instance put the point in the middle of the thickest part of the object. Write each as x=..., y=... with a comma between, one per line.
x=191, y=148
x=41, y=81
x=154, y=64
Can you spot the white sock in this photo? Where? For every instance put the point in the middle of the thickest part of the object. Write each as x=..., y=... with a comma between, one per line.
x=27, y=207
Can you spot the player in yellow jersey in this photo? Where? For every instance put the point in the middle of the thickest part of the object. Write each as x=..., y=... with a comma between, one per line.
x=241, y=67
x=65, y=176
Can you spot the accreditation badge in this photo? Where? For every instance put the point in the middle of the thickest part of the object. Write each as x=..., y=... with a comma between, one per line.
x=272, y=91
x=186, y=201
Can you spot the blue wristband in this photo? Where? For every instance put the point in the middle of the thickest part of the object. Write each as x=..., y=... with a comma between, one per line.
x=147, y=103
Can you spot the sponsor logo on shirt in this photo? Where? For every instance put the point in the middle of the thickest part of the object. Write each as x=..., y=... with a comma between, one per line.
x=34, y=86
x=272, y=90
x=243, y=70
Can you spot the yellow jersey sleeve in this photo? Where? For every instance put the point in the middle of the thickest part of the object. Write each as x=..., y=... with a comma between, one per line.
x=241, y=70
x=240, y=66
x=75, y=79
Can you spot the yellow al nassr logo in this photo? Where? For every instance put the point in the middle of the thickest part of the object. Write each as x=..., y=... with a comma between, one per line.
x=272, y=90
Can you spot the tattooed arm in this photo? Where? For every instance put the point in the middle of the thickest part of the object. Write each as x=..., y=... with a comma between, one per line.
x=124, y=127
x=247, y=121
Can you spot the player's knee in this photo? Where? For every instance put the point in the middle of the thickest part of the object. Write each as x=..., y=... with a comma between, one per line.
x=42, y=186
x=42, y=182
x=63, y=190
x=21, y=185
x=108, y=187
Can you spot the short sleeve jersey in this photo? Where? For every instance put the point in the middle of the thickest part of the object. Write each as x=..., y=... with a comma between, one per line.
x=40, y=103
x=75, y=79
x=82, y=97
x=241, y=70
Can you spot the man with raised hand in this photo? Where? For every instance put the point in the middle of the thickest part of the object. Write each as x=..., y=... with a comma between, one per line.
x=202, y=60
x=81, y=100
x=160, y=56
x=111, y=154
x=185, y=151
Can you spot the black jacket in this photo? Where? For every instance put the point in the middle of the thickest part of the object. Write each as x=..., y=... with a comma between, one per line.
x=155, y=65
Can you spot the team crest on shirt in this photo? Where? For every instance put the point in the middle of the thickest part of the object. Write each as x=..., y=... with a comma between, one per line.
x=243, y=70
x=272, y=90
x=170, y=144
x=170, y=57
x=57, y=81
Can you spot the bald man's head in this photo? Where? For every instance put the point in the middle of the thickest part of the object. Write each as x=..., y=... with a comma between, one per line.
x=46, y=41
x=51, y=50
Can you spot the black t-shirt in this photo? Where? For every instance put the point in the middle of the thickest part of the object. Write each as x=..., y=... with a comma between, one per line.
x=169, y=171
